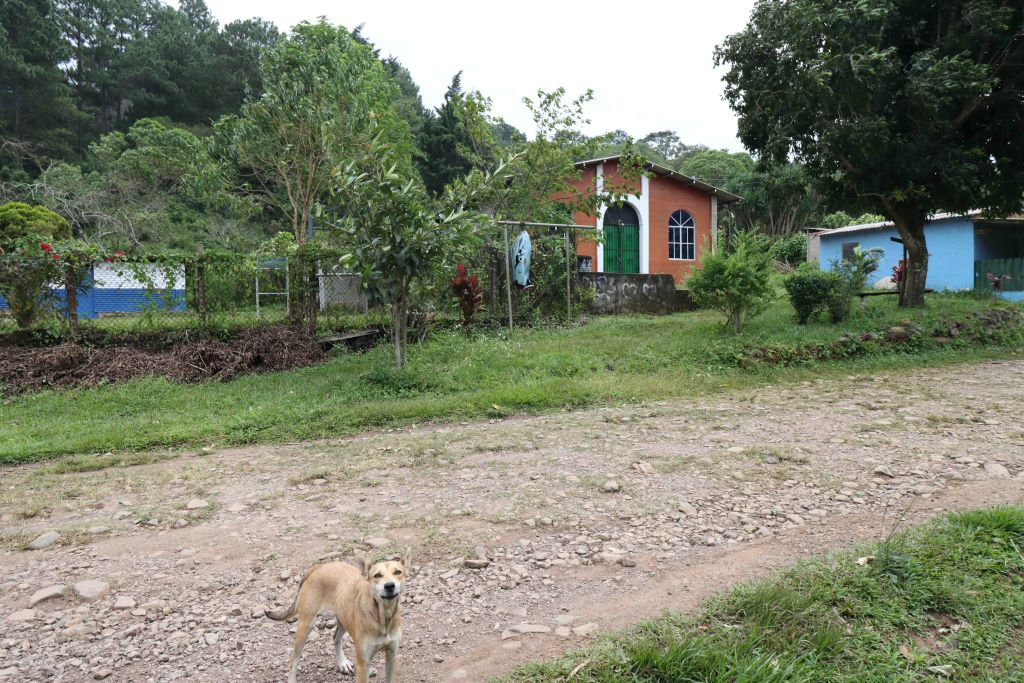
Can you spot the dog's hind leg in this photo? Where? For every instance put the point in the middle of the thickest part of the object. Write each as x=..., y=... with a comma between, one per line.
x=339, y=654
x=301, y=634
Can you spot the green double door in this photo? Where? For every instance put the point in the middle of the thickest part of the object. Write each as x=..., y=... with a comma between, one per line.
x=621, y=249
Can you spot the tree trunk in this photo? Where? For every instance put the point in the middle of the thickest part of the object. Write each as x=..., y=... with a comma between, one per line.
x=396, y=332
x=910, y=224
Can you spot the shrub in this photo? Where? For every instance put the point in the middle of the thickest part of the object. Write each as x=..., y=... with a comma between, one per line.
x=27, y=259
x=808, y=289
x=737, y=283
x=859, y=268
x=790, y=250
x=812, y=290
x=19, y=220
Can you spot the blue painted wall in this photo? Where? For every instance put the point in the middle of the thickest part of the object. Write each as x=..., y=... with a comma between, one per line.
x=950, y=252
x=96, y=301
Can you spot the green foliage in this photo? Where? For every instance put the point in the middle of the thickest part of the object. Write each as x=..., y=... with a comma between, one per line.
x=841, y=219
x=810, y=289
x=323, y=92
x=790, y=250
x=737, y=283
x=445, y=141
x=19, y=220
x=833, y=619
x=35, y=104
x=858, y=269
x=900, y=108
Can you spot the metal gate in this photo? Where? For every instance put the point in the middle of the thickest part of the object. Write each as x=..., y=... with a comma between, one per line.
x=621, y=249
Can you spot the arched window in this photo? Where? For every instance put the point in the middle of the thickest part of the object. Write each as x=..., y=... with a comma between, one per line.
x=681, y=236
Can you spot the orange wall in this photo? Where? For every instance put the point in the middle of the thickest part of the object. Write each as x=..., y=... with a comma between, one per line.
x=666, y=195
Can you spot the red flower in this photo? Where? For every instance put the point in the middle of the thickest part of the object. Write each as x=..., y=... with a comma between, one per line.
x=45, y=247
x=120, y=253
x=56, y=256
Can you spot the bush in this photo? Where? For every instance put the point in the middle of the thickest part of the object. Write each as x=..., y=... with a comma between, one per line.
x=790, y=250
x=19, y=220
x=812, y=290
x=739, y=283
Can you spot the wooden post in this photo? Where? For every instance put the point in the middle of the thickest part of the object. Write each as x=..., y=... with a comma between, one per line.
x=71, y=297
x=568, y=281
x=201, y=290
x=508, y=277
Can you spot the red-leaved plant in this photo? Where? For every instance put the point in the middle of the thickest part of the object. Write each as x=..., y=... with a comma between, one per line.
x=467, y=289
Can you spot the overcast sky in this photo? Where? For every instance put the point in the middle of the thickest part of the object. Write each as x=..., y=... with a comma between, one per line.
x=649, y=64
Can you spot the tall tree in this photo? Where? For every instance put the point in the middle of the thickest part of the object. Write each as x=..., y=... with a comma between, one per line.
x=444, y=141
x=35, y=104
x=900, y=107
x=323, y=93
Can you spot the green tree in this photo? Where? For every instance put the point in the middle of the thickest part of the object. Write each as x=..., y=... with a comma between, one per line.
x=322, y=92
x=444, y=142
x=35, y=103
x=396, y=234
x=896, y=107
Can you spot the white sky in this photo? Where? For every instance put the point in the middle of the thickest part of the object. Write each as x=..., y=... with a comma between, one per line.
x=649, y=63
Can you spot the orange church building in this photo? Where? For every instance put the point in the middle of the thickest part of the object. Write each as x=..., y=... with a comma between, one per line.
x=664, y=228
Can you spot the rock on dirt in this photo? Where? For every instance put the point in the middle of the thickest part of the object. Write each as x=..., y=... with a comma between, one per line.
x=44, y=541
x=44, y=594
x=91, y=590
x=996, y=471
x=611, y=486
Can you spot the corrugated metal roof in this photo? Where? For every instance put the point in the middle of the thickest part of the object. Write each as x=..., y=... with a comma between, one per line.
x=723, y=196
x=861, y=227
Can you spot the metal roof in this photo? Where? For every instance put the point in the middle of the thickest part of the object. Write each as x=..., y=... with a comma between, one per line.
x=862, y=227
x=723, y=196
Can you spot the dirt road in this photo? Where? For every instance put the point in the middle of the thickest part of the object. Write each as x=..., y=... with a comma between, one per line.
x=586, y=521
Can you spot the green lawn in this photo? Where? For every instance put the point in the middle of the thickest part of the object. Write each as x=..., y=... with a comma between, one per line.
x=611, y=359
x=941, y=602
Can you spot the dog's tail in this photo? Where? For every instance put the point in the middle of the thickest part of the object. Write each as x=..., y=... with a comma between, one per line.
x=289, y=613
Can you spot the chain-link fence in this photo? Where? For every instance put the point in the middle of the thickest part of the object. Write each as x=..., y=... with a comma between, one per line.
x=208, y=292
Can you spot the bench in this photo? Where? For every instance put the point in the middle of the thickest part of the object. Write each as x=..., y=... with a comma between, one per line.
x=881, y=292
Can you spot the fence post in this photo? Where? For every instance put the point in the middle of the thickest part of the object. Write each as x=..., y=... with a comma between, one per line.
x=71, y=296
x=508, y=276
x=201, y=305
x=568, y=280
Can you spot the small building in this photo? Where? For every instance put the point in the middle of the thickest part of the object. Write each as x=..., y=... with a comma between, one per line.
x=963, y=250
x=664, y=227
x=116, y=288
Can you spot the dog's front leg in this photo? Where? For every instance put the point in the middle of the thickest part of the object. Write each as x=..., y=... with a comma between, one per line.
x=364, y=655
x=390, y=661
x=339, y=653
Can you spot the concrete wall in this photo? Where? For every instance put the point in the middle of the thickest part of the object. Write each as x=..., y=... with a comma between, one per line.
x=635, y=293
x=950, y=252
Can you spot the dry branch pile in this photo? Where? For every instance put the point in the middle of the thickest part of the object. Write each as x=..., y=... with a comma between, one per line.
x=24, y=369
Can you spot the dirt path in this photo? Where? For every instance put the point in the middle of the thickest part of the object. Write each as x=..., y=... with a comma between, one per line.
x=710, y=492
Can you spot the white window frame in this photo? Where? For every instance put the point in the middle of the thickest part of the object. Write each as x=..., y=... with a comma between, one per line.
x=677, y=222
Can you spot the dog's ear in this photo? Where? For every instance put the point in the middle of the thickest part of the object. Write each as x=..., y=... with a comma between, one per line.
x=406, y=558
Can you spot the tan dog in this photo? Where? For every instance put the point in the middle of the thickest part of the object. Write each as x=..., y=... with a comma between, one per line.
x=365, y=603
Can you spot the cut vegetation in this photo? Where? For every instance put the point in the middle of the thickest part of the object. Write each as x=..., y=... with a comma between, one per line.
x=941, y=602
x=453, y=376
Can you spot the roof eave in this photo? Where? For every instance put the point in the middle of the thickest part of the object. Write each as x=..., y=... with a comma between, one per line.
x=723, y=196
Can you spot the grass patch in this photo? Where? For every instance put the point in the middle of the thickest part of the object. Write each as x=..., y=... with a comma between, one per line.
x=455, y=377
x=940, y=602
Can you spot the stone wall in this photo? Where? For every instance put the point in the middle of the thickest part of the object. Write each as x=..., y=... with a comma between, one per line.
x=634, y=293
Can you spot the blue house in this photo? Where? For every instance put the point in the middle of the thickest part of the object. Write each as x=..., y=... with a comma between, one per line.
x=963, y=250
x=112, y=289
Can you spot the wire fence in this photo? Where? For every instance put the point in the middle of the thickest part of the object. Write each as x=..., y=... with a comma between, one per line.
x=210, y=292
